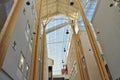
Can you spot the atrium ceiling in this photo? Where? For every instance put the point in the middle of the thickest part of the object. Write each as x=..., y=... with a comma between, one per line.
x=59, y=14
x=54, y=7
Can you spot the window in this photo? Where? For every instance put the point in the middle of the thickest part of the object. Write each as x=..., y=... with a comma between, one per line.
x=21, y=62
x=27, y=70
x=75, y=67
x=83, y=60
x=27, y=30
x=31, y=43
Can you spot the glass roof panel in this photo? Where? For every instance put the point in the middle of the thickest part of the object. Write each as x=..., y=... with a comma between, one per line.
x=56, y=20
x=56, y=42
x=89, y=10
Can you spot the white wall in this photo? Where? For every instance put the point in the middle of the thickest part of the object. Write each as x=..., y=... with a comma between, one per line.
x=107, y=21
x=11, y=62
x=4, y=76
x=89, y=57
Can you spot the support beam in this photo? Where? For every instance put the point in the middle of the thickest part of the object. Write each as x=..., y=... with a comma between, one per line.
x=34, y=62
x=57, y=27
x=43, y=53
x=96, y=51
x=8, y=29
x=54, y=28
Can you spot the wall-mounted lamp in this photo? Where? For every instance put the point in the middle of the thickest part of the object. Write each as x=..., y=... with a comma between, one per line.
x=28, y=3
x=71, y=2
x=116, y=3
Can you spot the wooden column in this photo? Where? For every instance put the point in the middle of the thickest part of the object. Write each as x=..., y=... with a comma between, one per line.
x=95, y=48
x=78, y=56
x=35, y=54
x=34, y=61
x=8, y=29
x=43, y=53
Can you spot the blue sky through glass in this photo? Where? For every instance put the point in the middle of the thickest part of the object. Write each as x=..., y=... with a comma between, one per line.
x=56, y=42
x=89, y=11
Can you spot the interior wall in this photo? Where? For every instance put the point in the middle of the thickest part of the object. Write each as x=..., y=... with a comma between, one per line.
x=106, y=21
x=4, y=76
x=12, y=58
x=89, y=56
x=72, y=64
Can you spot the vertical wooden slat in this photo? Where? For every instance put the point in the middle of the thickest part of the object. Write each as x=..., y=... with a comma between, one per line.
x=96, y=51
x=8, y=29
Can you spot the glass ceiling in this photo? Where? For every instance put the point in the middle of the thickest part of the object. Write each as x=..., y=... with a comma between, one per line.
x=58, y=39
x=56, y=42
x=89, y=11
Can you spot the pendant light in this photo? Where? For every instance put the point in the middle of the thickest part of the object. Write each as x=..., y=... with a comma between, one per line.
x=64, y=50
x=67, y=32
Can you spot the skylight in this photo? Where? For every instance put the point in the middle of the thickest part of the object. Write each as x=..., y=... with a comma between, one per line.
x=56, y=42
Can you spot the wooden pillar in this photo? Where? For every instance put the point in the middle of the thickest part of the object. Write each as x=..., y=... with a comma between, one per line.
x=35, y=54
x=96, y=51
x=8, y=29
x=78, y=56
x=43, y=53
